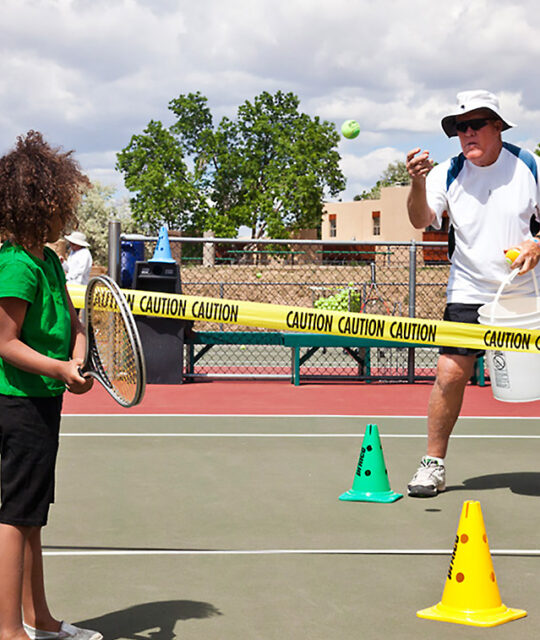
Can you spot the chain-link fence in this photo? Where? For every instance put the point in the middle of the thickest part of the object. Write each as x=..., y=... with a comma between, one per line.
x=401, y=279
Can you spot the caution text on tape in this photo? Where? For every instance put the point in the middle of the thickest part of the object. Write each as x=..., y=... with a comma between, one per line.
x=339, y=323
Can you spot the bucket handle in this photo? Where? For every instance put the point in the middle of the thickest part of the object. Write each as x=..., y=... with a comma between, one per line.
x=503, y=284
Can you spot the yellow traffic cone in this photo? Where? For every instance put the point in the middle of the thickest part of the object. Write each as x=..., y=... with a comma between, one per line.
x=471, y=595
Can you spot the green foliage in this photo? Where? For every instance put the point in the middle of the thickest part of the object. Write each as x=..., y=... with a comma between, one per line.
x=270, y=169
x=395, y=173
x=97, y=208
x=94, y=212
x=345, y=299
x=155, y=169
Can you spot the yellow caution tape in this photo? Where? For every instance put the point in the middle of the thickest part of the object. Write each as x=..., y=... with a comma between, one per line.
x=338, y=323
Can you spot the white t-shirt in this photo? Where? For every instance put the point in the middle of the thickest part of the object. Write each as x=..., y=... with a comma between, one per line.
x=77, y=266
x=490, y=209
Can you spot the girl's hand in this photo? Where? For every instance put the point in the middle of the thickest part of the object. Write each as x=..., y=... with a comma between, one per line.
x=74, y=381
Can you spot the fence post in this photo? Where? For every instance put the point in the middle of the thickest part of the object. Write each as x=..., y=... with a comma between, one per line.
x=209, y=251
x=412, y=308
x=114, y=250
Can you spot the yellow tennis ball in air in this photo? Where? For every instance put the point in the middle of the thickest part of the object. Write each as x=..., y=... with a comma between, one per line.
x=511, y=255
x=350, y=129
x=259, y=275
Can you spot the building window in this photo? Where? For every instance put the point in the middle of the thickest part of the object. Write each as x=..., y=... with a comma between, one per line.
x=333, y=225
x=376, y=217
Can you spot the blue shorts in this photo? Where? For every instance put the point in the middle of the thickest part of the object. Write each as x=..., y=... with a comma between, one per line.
x=460, y=312
x=29, y=432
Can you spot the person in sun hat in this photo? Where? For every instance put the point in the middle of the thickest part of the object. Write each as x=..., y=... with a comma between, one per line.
x=79, y=261
x=490, y=192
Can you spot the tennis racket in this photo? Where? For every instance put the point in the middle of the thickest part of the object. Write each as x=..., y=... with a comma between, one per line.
x=114, y=354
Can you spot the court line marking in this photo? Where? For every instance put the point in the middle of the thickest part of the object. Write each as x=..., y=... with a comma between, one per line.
x=268, y=552
x=280, y=415
x=290, y=435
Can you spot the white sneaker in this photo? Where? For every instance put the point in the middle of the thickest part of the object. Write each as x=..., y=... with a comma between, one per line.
x=429, y=479
x=67, y=632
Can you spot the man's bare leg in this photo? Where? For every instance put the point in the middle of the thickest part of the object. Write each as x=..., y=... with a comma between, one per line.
x=446, y=399
x=453, y=373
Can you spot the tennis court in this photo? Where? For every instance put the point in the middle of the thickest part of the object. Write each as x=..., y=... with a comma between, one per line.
x=214, y=526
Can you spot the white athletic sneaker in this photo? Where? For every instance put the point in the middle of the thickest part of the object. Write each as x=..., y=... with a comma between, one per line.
x=429, y=479
x=67, y=632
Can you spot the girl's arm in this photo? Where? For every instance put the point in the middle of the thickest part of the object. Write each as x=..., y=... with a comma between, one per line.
x=20, y=355
x=78, y=348
x=78, y=334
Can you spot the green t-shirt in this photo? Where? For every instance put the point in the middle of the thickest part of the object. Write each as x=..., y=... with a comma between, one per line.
x=47, y=325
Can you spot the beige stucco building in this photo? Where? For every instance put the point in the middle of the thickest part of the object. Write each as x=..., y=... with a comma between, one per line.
x=383, y=220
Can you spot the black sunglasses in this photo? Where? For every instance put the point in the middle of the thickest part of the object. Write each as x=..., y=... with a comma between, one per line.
x=475, y=124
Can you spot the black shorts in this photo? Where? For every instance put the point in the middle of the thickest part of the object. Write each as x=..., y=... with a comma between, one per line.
x=29, y=431
x=459, y=312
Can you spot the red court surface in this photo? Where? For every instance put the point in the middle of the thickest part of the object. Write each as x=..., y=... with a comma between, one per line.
x=283, y=398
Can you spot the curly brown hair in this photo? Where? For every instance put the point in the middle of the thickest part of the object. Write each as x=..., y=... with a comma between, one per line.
x=35, y=181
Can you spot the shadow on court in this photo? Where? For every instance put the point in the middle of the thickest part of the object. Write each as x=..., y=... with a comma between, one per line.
x=156, y=620
x=526, y=483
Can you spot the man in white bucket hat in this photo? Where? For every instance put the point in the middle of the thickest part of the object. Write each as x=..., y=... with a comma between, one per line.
x=79, y=261
x=491, y=194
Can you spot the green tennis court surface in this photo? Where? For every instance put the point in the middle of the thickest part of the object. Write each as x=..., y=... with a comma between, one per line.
x=230, y=527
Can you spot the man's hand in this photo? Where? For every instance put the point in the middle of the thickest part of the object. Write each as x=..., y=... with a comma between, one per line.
x=418, y=164
x=528, y=258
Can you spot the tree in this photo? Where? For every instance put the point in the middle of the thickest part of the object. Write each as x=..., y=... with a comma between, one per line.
x=155, y=169
x=276, y=167
x=97, y=208
x=94, y=213
x=269, y=169
x=395, y=174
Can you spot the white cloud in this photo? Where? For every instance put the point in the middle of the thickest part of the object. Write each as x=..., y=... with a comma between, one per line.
x=363, y=171
x=90, y=73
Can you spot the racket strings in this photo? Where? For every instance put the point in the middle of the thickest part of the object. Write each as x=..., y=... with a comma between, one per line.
x=113, y=343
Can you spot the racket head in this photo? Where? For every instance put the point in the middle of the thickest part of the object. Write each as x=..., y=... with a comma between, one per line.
x=114, y=354
x=376, y=307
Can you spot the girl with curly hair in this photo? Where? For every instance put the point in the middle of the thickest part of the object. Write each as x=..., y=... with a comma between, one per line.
x=42, y=345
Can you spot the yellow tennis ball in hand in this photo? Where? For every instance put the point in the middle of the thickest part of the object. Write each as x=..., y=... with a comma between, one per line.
x=511, y=255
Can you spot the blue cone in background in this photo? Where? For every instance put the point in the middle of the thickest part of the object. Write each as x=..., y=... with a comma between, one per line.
x=163, y=248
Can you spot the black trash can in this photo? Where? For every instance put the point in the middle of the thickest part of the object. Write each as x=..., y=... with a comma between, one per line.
x=162, y=338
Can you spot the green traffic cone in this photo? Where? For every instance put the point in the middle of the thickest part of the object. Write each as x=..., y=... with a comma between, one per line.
x=371, y=479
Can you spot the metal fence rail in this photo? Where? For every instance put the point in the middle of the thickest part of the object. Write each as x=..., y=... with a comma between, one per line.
x=401, y=278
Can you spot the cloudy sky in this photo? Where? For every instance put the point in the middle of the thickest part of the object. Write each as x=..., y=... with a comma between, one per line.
x=91, y=73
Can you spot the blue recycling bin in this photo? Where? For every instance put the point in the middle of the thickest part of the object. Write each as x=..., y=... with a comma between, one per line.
x=131, y=251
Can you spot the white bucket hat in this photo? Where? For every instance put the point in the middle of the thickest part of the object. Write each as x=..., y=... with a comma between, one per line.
x=469, y=101
x=78, y=238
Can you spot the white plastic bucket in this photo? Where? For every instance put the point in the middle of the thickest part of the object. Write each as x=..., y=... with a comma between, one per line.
x=515, y=377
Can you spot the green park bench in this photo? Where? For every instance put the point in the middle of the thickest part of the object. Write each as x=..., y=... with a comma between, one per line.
x=357, y=348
